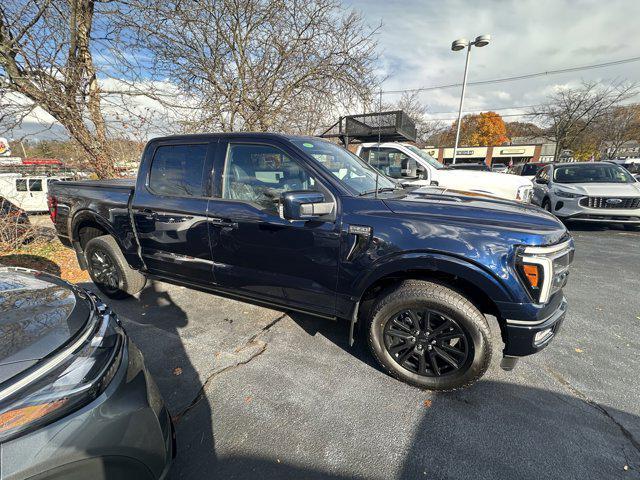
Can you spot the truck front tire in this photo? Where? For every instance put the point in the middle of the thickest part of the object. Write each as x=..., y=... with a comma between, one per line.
x=109, y=270
x=430, y=336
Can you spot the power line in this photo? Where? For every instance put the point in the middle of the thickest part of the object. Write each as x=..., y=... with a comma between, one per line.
x=503, y=116
x=486, y=109
x=518, y=77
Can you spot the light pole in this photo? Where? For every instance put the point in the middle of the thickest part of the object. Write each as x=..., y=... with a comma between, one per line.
x=460, y=44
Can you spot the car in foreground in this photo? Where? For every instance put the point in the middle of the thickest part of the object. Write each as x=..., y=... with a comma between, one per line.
x=596, y=192
x=301, y=224
x=389, y=157
x=76, y=400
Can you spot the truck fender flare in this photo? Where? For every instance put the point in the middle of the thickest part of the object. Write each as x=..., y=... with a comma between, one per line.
x=86, y=215
x=486, y=281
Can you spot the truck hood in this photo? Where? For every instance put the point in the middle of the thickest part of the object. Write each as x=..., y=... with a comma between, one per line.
x=477, y=210
x=601, y=189
x=39, y=313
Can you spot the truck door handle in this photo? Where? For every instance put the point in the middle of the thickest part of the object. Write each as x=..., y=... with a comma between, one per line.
x=223, y=222
x=148, y=214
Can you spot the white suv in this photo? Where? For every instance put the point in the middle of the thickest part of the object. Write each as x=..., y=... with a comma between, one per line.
x=600, y=192
x=414, y=166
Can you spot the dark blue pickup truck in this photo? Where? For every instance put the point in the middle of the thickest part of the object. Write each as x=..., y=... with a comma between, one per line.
x=300, y=224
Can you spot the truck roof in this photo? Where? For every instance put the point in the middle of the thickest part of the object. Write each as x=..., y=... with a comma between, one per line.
x=202, y=136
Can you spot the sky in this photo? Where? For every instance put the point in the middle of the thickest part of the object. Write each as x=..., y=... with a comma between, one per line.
x=528, y=36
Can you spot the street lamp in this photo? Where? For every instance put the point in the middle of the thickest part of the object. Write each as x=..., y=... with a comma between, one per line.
x=457, y=45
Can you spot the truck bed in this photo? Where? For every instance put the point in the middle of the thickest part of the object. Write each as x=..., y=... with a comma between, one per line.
x=120, y=183
x=104, y=201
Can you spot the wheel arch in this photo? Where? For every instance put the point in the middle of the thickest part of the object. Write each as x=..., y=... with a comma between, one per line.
x=87, y=224
x=481, y=287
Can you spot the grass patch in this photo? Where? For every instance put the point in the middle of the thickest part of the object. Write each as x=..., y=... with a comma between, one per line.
x=47, y=256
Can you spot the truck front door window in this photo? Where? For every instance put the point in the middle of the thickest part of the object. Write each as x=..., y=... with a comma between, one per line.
x=177, y=170
x=260, y=173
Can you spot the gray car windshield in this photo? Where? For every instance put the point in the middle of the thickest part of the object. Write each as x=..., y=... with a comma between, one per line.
x=359, y=177
x=425, y=156
x=592, y=173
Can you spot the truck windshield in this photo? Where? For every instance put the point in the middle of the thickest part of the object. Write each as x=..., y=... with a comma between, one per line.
x=425, y=156
x=592, y=173
x=349, y=168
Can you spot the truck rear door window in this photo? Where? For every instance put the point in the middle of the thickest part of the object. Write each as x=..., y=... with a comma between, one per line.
x=35, y=185
x=177, y=170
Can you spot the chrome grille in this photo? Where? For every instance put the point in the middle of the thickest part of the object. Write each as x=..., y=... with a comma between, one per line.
x=610, y=202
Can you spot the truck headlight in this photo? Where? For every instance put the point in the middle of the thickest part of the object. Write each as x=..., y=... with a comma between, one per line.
x=66, y=381
x=524, y=193
x=544, y=270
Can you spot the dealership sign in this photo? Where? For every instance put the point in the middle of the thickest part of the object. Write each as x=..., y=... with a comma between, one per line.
x=5, y=151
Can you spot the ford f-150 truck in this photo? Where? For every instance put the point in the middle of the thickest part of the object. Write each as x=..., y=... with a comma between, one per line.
x=303, y=225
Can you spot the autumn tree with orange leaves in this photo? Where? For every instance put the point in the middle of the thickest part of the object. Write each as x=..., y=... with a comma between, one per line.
x=482, y=129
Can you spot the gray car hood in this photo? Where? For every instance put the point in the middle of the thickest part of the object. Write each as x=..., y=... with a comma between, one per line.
x=39, y=313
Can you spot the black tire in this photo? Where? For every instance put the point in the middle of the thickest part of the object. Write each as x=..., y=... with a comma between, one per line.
x=546, y=204
x=631, y=228
x=109, y=270
x=445, y=304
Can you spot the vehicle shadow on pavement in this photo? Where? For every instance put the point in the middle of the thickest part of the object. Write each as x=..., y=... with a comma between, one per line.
x=338, y=333
x=153, y=321
x=492, y=430
x=576, y=226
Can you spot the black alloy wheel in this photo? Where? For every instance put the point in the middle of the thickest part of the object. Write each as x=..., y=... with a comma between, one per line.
x=104, y=271
x=427, y=342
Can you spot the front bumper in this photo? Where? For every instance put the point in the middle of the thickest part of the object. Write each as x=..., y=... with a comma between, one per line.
x=524, y=337
x=124, y=433
x=570, y=209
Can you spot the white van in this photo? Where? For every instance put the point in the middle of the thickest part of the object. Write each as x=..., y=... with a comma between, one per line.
x=27, y=192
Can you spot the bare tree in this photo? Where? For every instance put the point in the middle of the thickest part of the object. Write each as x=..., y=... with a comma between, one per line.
x=46, y=59
x=570, y=113
x=616, y=127
x=283, y=65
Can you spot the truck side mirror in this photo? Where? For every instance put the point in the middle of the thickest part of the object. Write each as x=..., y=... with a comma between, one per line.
x=542, y=181
x=305, y=205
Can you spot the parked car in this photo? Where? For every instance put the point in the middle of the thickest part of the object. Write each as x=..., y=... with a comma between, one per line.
x=528, y=170
x=599, y=192
x=303, y=225
x=28, y=192
x=480, y=167
x=429, y=171
x=499, y=168
x=76, y=400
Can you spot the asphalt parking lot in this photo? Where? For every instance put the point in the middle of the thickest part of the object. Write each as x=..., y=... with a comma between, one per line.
x=256, y=393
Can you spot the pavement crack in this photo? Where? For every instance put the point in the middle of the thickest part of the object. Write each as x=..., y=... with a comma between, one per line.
x=252, y=342
x=595, y=405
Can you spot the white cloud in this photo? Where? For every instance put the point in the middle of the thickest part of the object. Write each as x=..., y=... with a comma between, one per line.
x=528, y=36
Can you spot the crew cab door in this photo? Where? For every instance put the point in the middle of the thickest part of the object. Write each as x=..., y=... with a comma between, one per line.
x=169, y=209
x=256, y=252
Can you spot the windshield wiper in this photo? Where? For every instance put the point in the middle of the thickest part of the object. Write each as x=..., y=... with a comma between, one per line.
x=379, y=190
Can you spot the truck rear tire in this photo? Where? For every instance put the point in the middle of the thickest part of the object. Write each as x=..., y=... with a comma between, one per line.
x=109, y=270
x=430, y=336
